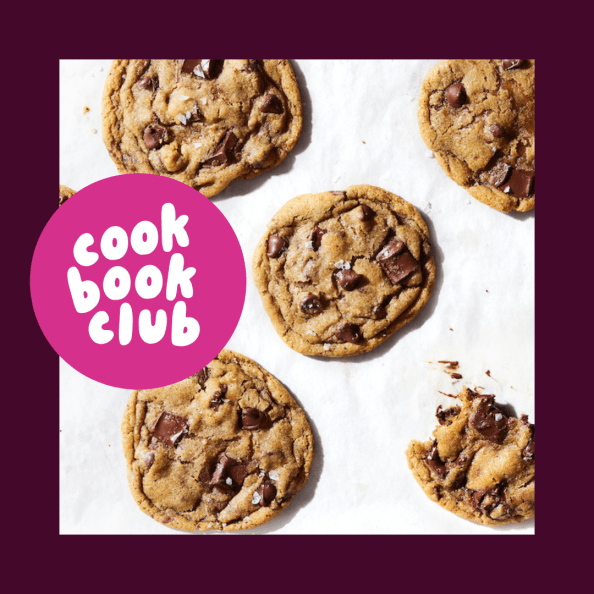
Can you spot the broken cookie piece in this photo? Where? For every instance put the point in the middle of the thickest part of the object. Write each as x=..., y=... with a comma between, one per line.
x=480, y=462
x=65, y=193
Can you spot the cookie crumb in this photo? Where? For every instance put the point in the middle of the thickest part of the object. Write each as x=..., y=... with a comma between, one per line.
x=86, y=109
x=94, y=130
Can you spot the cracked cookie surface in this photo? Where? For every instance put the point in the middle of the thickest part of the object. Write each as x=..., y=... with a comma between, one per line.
x=477, y=116
x=225, y=449
x=201, y=122
x=480, y=464
x=65, y=193
x=339, y=272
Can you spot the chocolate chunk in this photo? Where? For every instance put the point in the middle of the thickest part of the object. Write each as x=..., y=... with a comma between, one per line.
x=488, y=499
x=316, y=237
x=271, y=104
x=456, y=375
x=499, y=174
x=444, y=415
x=528, y=452
x=456, y=95
x=149, y=458
x=496, y=130
x=252, y=419
x=348, y=279
x=348, y=332
x=396, y=261
x=203, y=68
x=338, y=193
x=221, y=154
x=150, y=83
x=461, y=459
x=489, y=420
x=520, y=184
x=366, y=213
x=379, y=312
x=434, y=461
x=267, y=492
x=310, y=304
x=511, y=64
x=155, y=136
x=276, y=246
x=194, y=116
x=169, y=428
x=229, y=475
x=204, y=477
x=202, y=376
x=391, y=249
x=252, y=66
x=218, y=398
x=189, y=65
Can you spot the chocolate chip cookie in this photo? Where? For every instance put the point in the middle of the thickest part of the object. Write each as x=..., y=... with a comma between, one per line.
x=480, y=464
x=339, y=272
x=65, y=193
x=225, y=449
x=477, y=116
x=202, y=122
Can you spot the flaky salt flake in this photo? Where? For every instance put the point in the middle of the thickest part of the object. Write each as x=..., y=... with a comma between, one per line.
x=262, y=473
x=197, y=143
x=498, y=417
x=256, y=498
x=204, y=100
x=273, y=474
x=506, y=190
x=309, y=245
x=182, y=118
x=326, y=347
x=183, y=97
x=342, y=265
x=229, y=481
x=198, y=71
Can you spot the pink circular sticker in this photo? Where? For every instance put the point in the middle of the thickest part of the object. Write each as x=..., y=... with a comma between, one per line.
x=138, y=281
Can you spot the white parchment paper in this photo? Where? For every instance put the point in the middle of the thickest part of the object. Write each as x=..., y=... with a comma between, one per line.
x=360, y=127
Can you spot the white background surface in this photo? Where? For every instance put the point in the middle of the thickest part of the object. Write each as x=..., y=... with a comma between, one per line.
x=360, y=126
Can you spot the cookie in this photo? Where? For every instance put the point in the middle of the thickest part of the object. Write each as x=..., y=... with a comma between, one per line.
x=201, y=122
x=339, y=272
x=225, y=449
x=65, y=193
x=477, y=116
x=480, y=464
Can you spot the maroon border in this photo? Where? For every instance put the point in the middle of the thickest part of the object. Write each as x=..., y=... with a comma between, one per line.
x=420, y=562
